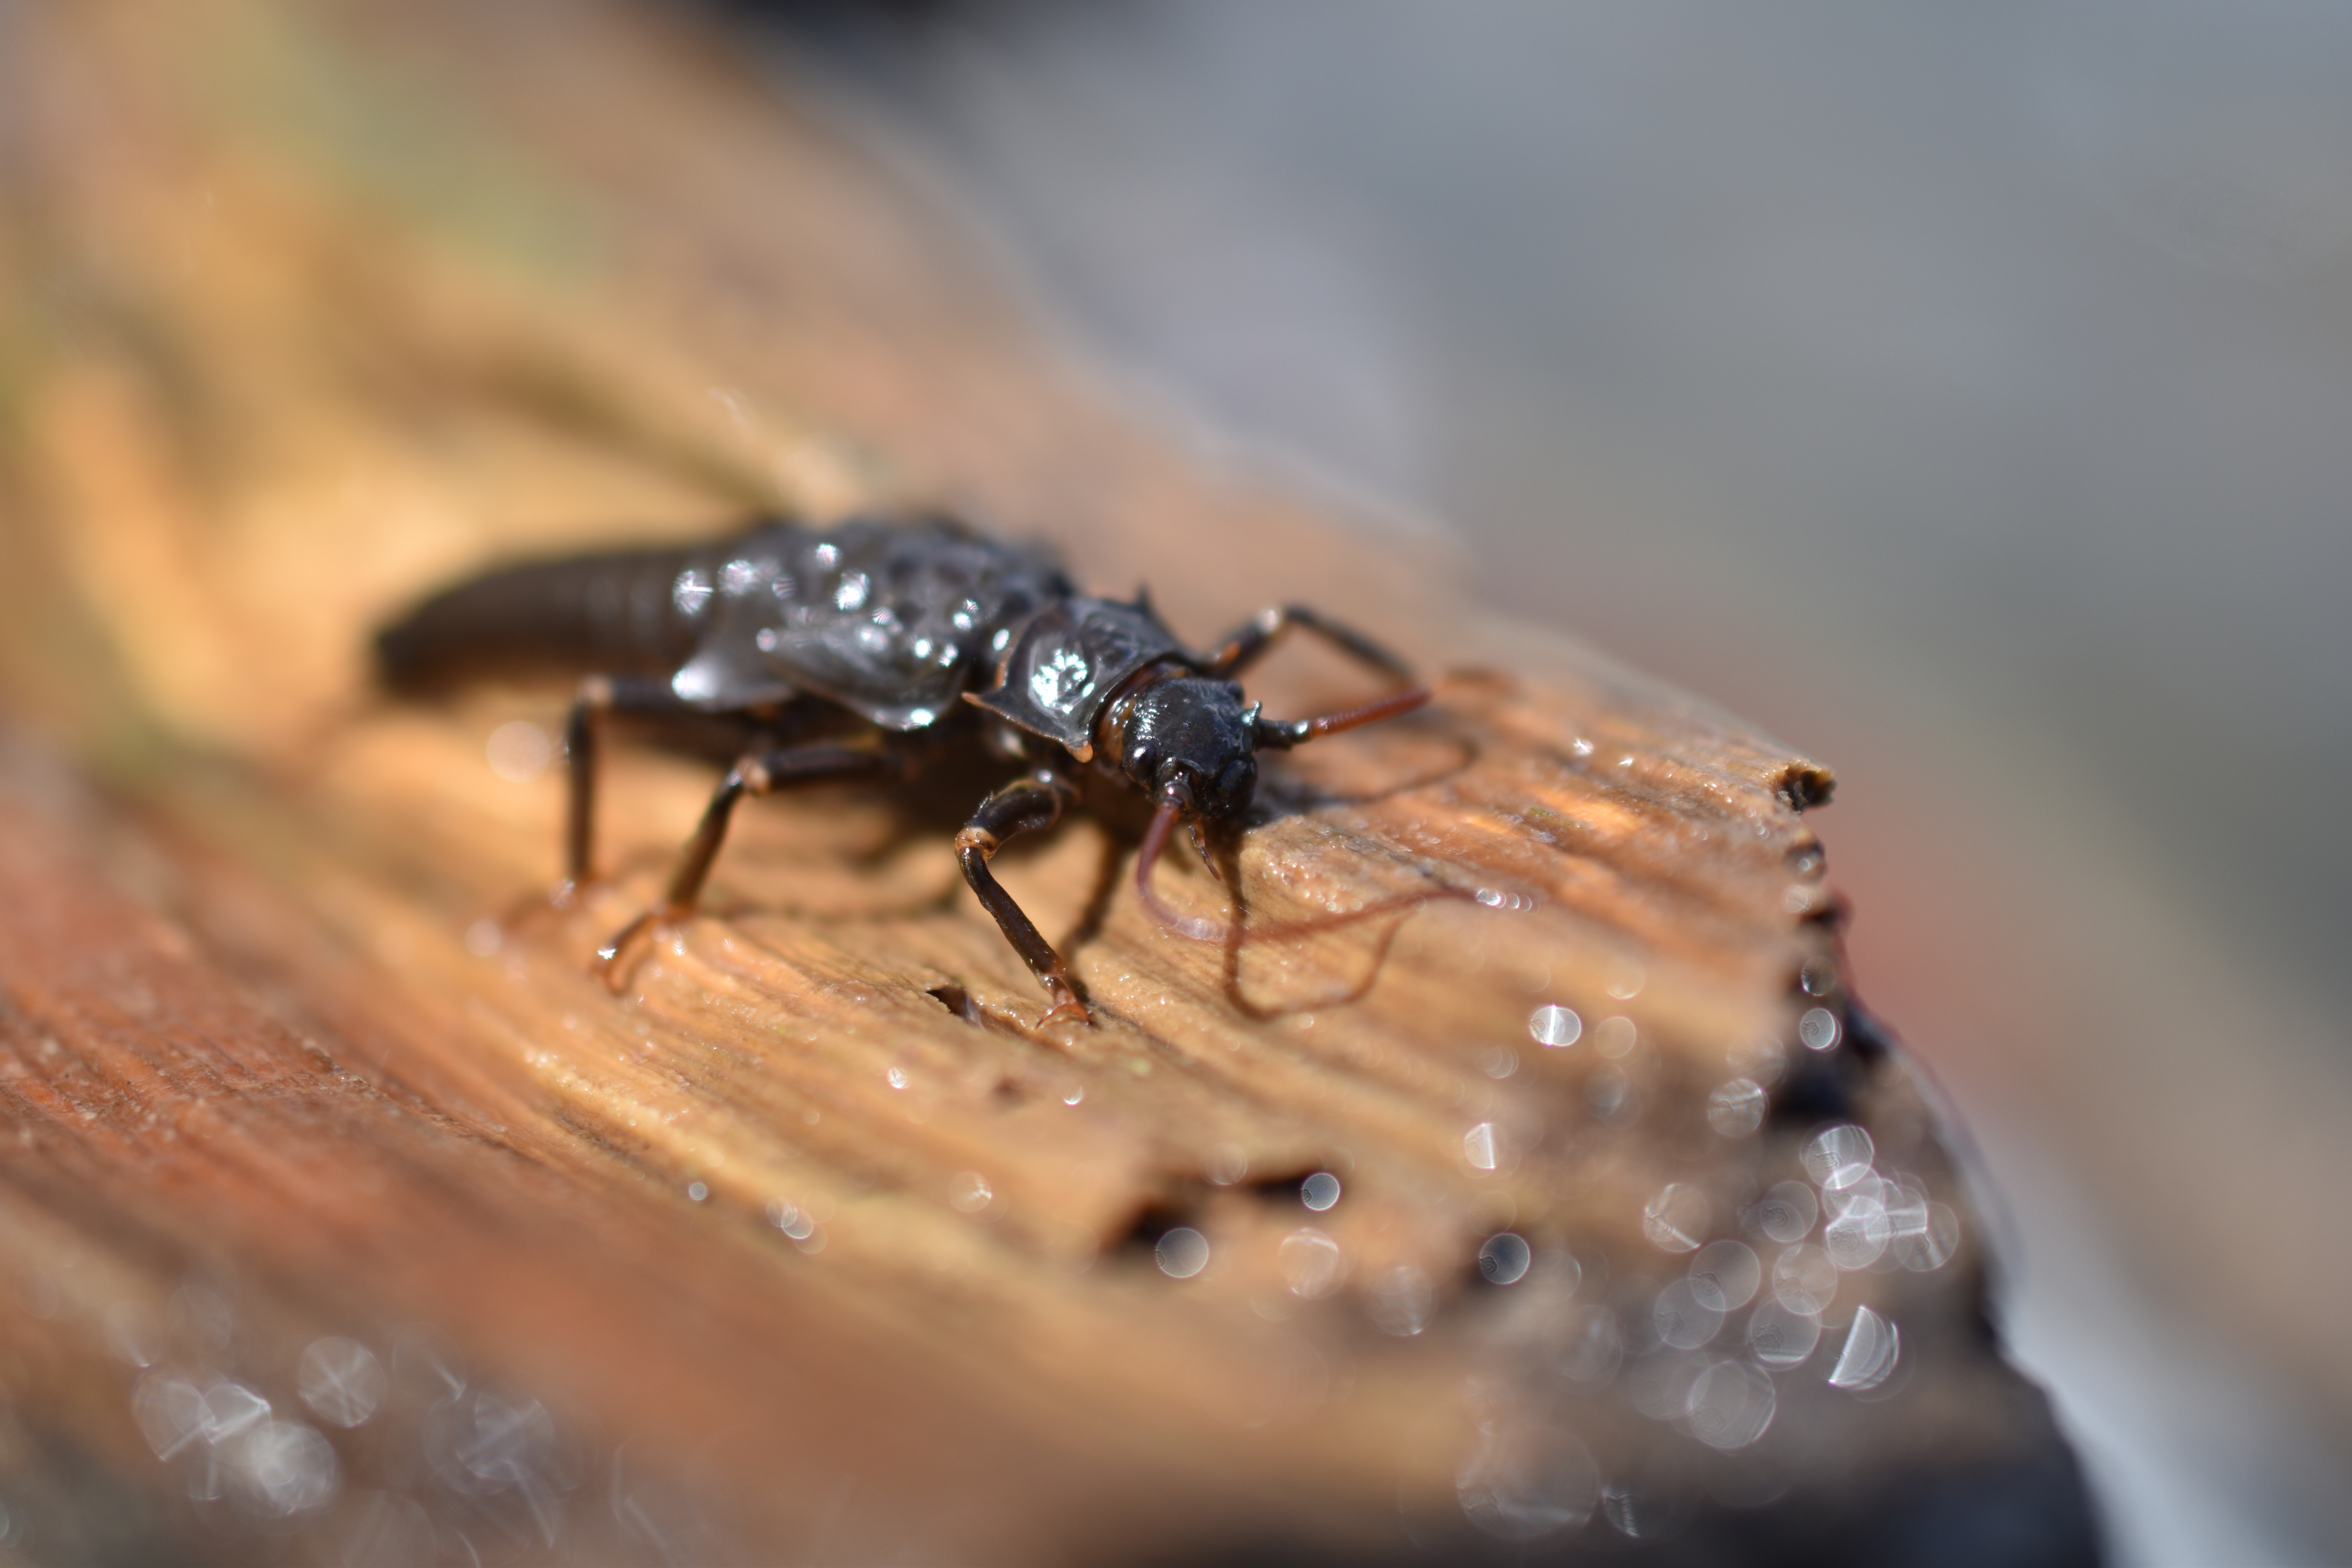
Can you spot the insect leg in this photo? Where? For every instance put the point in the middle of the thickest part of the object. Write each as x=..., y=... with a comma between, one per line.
x=598, y=695
x=1026, y=806
x=761, y=774
x=1248, y=642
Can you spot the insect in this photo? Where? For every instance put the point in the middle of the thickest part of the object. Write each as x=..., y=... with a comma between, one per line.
x=876, y=648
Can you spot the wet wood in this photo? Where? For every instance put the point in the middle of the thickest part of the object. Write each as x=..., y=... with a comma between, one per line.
x=812, y=1241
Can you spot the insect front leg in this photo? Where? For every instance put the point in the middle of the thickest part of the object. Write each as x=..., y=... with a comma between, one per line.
x=1026, y=806
x=1251, y=640
x=759, y=774
x=598, y=696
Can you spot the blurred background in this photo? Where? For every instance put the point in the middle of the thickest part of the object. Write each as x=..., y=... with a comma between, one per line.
x=1964, y=392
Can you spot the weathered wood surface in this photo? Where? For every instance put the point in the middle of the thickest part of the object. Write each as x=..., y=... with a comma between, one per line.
x=305, y=312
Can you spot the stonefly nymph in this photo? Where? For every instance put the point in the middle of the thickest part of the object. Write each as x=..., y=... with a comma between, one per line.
x=880, y=648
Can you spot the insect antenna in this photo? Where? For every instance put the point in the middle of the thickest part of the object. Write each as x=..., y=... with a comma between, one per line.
x=1155, y=842
x=1282, y=736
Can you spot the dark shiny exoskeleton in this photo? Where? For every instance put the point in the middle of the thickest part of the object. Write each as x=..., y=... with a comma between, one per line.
x=864, y=649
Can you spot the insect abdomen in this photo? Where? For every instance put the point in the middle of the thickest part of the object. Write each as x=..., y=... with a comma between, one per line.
x=618, y=613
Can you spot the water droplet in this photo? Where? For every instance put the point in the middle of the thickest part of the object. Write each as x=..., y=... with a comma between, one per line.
x=1856, y=1238
x=1554, y=1025
x=519, y=751
x=1310, y=1263
x=1933, y=1247
x=1873, y=1347
x=1906, y=1203
x=1725, y=1275
x=230, y=1408
x=283, y=1468
x=1319, y=1190
x=1402, y=1301
x=1482, y=1146
x=1181, y=1253
x=1781, y=1338
x=483, y=938
x=1683, y=1320
x=1650, y=1508
x=897, y=1077
x=1499, y=1061
x=796, y=1222
x=1818, y=1028
x=1785, y=1214
x=1676, y=1219
x=1736, y=1109
x=204, y=1482
x=1077, y=1093
x=1729, y=1405
x=1609, y=1095
x=1527, y=1482
x=342, y=1380
x=1838, y=1156
x=1615, y=1038
x=170, y=1412
x=1835, y=1201
x=1504, y=1258
x=968, y=1192
x=1226, y=1163
x=1805, y=1279
x=1659, y=1384
x=491, y=1440
x=1626, y=977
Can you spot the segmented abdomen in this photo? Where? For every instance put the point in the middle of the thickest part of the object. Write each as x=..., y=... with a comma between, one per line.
x=616, y=613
